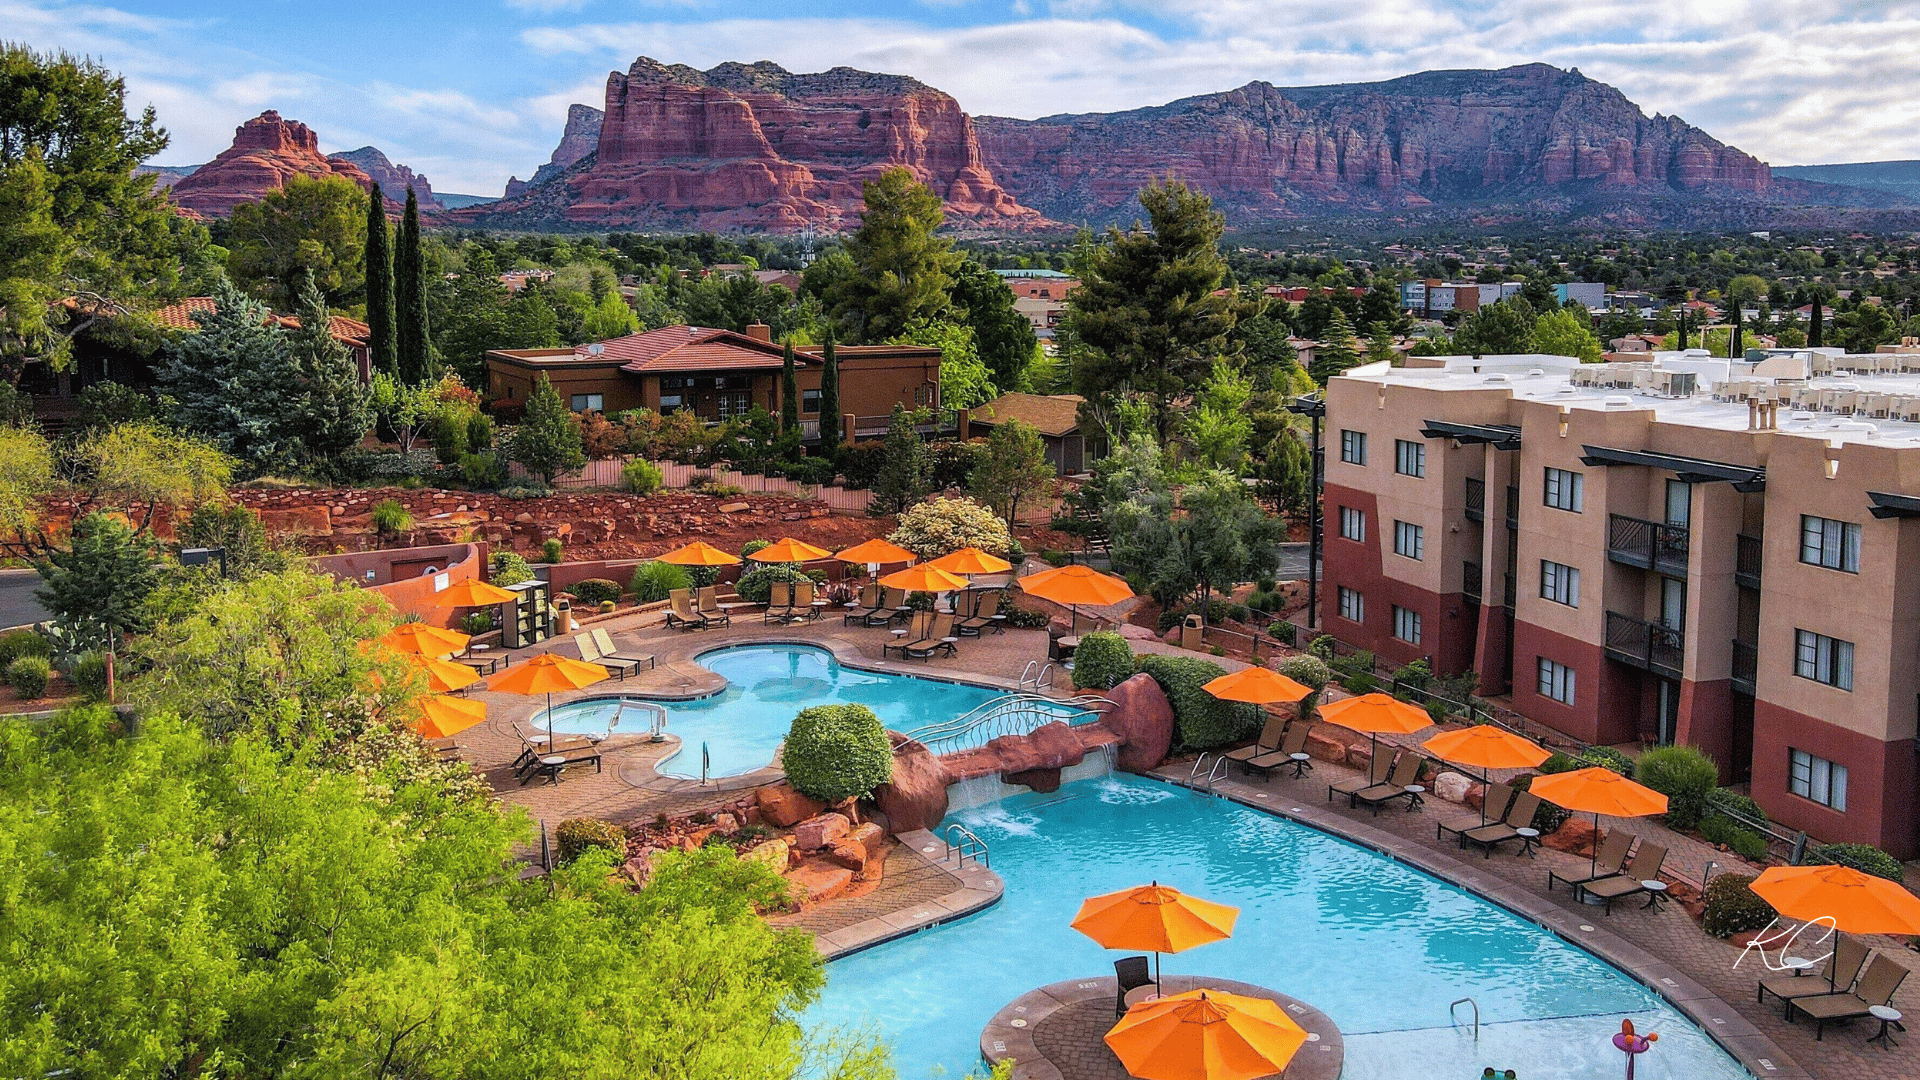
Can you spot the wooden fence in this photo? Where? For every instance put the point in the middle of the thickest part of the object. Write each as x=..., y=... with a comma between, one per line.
x=605, y=473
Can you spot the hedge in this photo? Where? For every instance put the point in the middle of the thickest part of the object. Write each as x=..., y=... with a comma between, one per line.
x=1862, y=857
x=595, y=590
x=1733, y=907
x=1201, y=721
x=1685, y=776
x=1103, y=661
x=756, y=585
x=837, y=752
x=17, y=643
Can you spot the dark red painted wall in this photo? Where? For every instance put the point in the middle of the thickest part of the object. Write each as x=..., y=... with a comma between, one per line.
x=1883, y=781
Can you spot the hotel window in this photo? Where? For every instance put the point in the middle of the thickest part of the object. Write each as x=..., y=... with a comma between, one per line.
x=734, y=403
x=1564, y=490
x=1353, y=447
x=1817, y=778
x=1353, y=524
x=587, y=402
x=1409, y=458
x=1823, y=659
x=1353, y=606
x=1409, y=540
x=809, y=401
x=1556, y=681
x=1406, y=625
x=1559, y=583
x=673, y=393
x=1829, y=543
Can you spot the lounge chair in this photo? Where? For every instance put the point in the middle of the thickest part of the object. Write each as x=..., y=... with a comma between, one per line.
x=917, y=630
x=1376, y=774
x=1293, y=751
x=1644, y=866
x=779, y=602
x=1608, y=859
x=711, y=610
x=1406, y=772
x=869, y=607
x=1519, y=816
x=1494, y=807
x=445, y=749
x=983, y=618
x=891, y=601
x=1843, y=966
x=939, y=637
x=1267, y=743
x=1131, y=973
x=682, y=614
x=551, y=765
x=610, y=651
x=1876, y=987
x=590, y=652
x=804, y=605
x=531, y=752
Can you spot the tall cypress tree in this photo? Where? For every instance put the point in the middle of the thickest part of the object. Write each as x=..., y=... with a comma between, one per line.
x=829, y=399
x=379, y=258
x=1816, y=329
x=789, y=394
x=410, y=295
x=1733, y=340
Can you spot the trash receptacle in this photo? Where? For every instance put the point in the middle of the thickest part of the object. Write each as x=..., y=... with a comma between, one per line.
x=1193, y=634
x=563, y=617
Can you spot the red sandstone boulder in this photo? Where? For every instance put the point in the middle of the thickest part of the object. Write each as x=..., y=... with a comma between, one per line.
x=1327, y=748
x=1360, y=756
x=916, y=795
x=1576, y=836
x=856, y=850
x=781, y=806
x=297, y=521
x=1056, y=745
x=818, y=832
x=1015, y=753
x=1143, y=719
x=816, y=883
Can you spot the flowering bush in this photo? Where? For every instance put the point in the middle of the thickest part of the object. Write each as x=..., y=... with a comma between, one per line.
x=932, y=529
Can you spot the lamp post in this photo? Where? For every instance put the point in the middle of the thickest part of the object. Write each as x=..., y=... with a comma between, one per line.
x=1315, y=410
x=203, y=555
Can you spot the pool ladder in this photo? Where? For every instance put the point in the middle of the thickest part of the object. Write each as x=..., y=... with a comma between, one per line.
x=1453, y=1017
x=961, y=840
x=706, y=764
x=1030, y=679
x=1214, y=775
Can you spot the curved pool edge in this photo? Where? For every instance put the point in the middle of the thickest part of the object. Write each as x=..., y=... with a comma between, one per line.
x=1733, y=1033
x=980, y=888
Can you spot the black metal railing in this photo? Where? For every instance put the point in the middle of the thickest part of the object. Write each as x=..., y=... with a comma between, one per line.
x=1649, y=545
x=1476, y=499
x=1470, y=581
x=1746, y=560
x=1513, y=507
x=1647, y=645
x=1746, y=666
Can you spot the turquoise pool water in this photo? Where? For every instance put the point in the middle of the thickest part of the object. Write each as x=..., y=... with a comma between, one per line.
x=766, y=685
x=1382, y=948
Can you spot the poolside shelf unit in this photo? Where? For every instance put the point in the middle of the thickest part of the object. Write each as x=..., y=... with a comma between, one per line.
x=531, y=619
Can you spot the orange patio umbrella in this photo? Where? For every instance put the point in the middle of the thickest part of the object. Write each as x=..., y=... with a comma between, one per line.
x=1488, y=747
x=1155, y=918
x=789, y=550
x=544, y=674
x=924, y=578
x=874, y=552
x=471, y=593
x=1599, y=791
x=1256, y=686
x=971, y=560
x=1858, y=903
x=445, y=676
x=1206, y=1035
x=1074, y=585
x=441, y=717
x=699, y=553
x=1377, y=715
x=424, y=640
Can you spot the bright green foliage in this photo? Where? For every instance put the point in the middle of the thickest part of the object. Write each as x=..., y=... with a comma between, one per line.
x=29, y=676
x=89, y=676
x=1338, y=351
x=1606, y=757
x=1718, y=828
x=415, y=351
x=390, y=518
x=380, y=302
x=1732, y=907
x=105, y=404
x=789, y=393
x=752, y=546
x=324, y=409
x=305, y=227
x=137, y=466
x=830, y=434
x=547, y=441
x=1201, y=721
x=1004, y=338
x=104, y=576
x=1146, y=310
x=406, y=409
x=1309, y=671
x=26, y=474
x=900, y=266
x=508, y=568
x=15, y=644
x=641, y=477
x=837, y=752
x=1013, y=469
x=938, y=526
x=232, y=526
x=756, y=585
x=1685, y=775
x=906, y=470
x=653, y=582
x=610, y=318
x=1864, y=328
x=550, y=550
x=1220, y=424
x=1500, y=329
x=575, y=837
x=1730, y=802
x=1862, y=857
x=1103, y=661
x=1215, y=538
x=1562, y=333
x=964, y=378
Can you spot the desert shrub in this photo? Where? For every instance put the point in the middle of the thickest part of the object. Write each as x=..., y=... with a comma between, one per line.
x=1558, y=763
x=1359, y=684
x=1729, y=801
x=1415, y=675
x=1103, y=661
x=1862, y=857
x=508, y=568
x=577, y=836
x=15, y=644
x=595, y=590
x=1307, y=670
x=752, y=546
x=837, y=752
x=524, y=490
x=1718, y=828
x=1054, y=557
x=28, y=675
x=1606, y=757
x=390, y=518
x=756, y=585
x=1024, y=619
x=483, y=470
x=1323, y=647
x=655, y=581
x=1201, y=721
x=479, y=432
x=641, y=477
x=551, y=550
x=89, y=676
x=931, y=529
x=1263, y=601
x=860, y=463
x=1549, y=817
x=1732, y=906
x=476, y=622
x=1264, y=584
x=1685, y=776
x=607, y=606
x=1284, y=632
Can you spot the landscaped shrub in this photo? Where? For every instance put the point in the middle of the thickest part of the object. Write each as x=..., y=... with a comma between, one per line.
x=508, y=568
x=1359, y=684
x=29, y=675
x=1264, y=584
x=1285, y=632
x=653, y=582
x=89, y=676
x=837, y=752
x=641, y=477
x=1731, y=802
x=1558, y=763
x=551, y=550
x=1862, y=857
x=1103, y=661
x=752, y=546
x=1606, y=757
x=1024, y=619
x=576, y=836
x=484, y=470
x=756, y=585
x=1732, y=906
x=1323, y=647
x=1307, y=670
x=1718, y=828
x=15, y=644
x=1685, y=776
x=476, y=622
x=1201, y=721
x=1263, y=602
x=390, y=518
x=595, y=590
x=932, y=529
x=860, y=463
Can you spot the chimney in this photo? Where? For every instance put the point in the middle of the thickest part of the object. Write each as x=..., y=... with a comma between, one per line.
x=760, y=332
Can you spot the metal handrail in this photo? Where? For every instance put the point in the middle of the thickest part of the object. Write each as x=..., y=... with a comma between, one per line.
x=1089, y=703
x=1047, y=674
x=1198, y=763
x=706, y=764
x=1454, y=1008
x=1028, y=673
x=968, y=846
x=1218, y=772
x=1017, y=714
x=657, y=715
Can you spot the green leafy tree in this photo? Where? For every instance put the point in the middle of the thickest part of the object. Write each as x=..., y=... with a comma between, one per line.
x=1004, y=337
x=415, y=349
x=306, y=227
x=547, y=441
x=1499, y=329
x=830, y=434
x=789, y=393
x=135, y=469
x=104, y=576
x=610, y=318
x=935, y=527
x=1013, y=469
x=964, y=379
x=901, y=267
x=406, y=411
x=1561, y=333
x=1147, y=309
x=1339, y=351
x=1865, y=328
x=381, y=335
x=1380, y=347
x=236, y=529
x=906, y=469
x=325, y=409
x=1220, y=423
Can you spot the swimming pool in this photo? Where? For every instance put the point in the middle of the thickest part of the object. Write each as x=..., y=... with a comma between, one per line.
x=743, y=726
x=1381, y=947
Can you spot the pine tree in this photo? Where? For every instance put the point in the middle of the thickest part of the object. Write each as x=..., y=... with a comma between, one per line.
x=547, y=441
x=829, y=399
x=789, y=394
x=1338, y=353
x=906, y=470
x=1380, y=345
x=379, y=256
x=325, y=408
x=415, y=352
x=1816, y=328
x=228, y=376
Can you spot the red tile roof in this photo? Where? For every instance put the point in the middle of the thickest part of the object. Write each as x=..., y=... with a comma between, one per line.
x=686, y=348
x=179, y=316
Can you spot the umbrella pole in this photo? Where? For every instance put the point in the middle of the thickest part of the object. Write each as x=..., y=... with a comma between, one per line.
x=1486, y=786
x=549, y=721
x=1159, y=988
x=1593, y=863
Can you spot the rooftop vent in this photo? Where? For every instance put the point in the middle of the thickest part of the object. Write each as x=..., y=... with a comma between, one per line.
x=1535, y=373
x=596, y=349
x=1568, y=390
x=1801, y=418
x=1618, y=401
x=1498, y=376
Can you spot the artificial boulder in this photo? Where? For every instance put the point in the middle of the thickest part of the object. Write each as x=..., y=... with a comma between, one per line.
x=816, y=883
x=1576, y=836
x=915, y=797
x=1143, y=719
x=819, y=832
x=1324, y=747
x=782, y=807
x=774, y=854
x=1451, y=786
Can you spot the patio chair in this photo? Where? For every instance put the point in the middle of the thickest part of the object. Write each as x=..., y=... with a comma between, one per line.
x=682, y=615
x=1876, y=988
x=1608, y=859
x=1131, y=973
x=1406, y=772
x=1292, y=751
x=1376, y=774
x=1843, y=966
x=711, y=610
x=1644, y=866
x=551, y=765
x=805, y=604
x=984, y=610
x=869, y=607
x=610, y=651
x=1267, y=743
x=1494, y=807
x=590, y=652
x=917, y=630
x=939, y=637
x=779, y=602
x=895, y=603
x=1519, y=816
x=528, y=763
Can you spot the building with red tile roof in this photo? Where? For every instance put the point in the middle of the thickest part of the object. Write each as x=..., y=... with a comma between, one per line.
x=351, y=333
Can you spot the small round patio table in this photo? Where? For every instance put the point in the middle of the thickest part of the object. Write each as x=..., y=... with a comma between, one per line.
x=1889, y=1018
x=1529, y=839
x=1656, y=892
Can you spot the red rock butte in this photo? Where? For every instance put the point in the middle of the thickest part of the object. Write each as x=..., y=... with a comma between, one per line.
x=266, y=151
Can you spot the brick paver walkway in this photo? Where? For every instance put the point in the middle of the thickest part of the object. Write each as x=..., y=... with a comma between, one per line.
x=909, y=880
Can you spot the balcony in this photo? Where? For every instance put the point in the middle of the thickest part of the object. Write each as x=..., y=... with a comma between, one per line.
x=1746, y=560
x=1476, y=499
x=1648, y=646
x=1470, y=582
x=1746, y=666
x=1648, y=545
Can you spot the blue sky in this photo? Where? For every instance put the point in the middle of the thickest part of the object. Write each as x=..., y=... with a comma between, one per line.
x=471, y=92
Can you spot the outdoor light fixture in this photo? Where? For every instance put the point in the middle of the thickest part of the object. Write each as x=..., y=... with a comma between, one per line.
x=201, y=556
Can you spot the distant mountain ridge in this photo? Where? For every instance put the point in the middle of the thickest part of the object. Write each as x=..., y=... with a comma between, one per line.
x=1899, y=177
